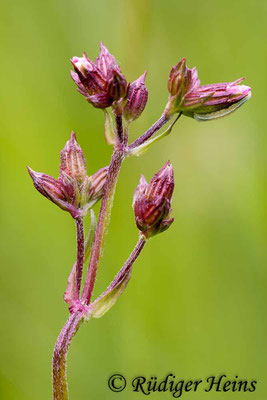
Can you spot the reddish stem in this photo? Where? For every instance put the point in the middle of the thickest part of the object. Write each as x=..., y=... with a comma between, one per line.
x=80, y=251
x=150, y=132
x=103, y=222
x=60, y=386
x=119, y=127
x=129, y=263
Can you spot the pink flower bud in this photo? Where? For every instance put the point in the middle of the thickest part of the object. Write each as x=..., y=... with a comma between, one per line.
x=137, y=95
x=87, y=77
x=55, y=191
x=106, y=61
x=202, y=102
x=97, y=184
x=177, y=78
x=100, y=100
x=72, y=160
x=117, y=85
x=152, y=202
x=102, y=82
x=74, y=191
x=215, y=100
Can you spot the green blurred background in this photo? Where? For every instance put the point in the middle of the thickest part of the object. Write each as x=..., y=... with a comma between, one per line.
x=196, y=304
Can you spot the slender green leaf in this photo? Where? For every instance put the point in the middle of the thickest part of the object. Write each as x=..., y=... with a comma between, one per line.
x=110, y=134
x=90, y=237
x=137, y=151
x=104, y=303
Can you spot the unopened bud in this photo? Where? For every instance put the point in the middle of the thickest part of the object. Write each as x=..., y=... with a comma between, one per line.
x=100, y=100
x=88, y=78
x=102, y=82
x=152, y=202
x=54, y=190
x=216, y=100
x=117, y=85
x=72, y=160
x=177, y=79
x=202, y=102
x=97, y=184
x=137, y=95
x=105, y=61
x=74, y=191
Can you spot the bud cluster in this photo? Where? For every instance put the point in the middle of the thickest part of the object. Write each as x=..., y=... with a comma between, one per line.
x=73, y=191
x=102, y=82
x=104, y=85
x=202, y=102
x=152, y=202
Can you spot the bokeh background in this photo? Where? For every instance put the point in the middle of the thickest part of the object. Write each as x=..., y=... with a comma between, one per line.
x=196, y=304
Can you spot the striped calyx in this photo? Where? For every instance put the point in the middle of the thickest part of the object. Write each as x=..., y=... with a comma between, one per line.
x=152, y=202
x=73, y=191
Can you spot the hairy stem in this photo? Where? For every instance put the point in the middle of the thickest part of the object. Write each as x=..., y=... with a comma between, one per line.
x=103, y=221
x=129, y=263
x=119, y=127
x=60, y=386
x=126, y=135
x=80, y=251
x=154, y=128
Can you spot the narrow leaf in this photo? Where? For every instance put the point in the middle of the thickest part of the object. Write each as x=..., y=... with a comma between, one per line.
x=90, y=237
x=137, y=151
x=221, y=113
x=109, y=129
x=103, y=304
x=72, y=294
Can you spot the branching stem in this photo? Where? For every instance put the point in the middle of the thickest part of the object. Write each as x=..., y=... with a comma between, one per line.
x=129, y=263
x=103, y=219
x=153, y=129
x=60, y=388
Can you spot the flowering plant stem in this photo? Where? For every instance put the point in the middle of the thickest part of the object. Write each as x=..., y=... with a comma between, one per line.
x=60, y=387
x=76, y=319
x=129, y=263
x=103, y=221
x=103, y=85
x=153, y=129
x=80, y=251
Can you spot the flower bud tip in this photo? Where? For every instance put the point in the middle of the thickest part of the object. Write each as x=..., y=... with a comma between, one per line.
x=152, y=202
x=204, y=102
x=137, y=95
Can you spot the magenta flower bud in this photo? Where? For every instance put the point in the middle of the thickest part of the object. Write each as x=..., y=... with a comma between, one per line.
x=106, y=61
x=100, y=100
x=177, y=79
x=90, y=77
x=102, y=82
x=152, y=202
x=202, y=102
x=137, y=95
x=215, y=100
x=97, y=184
x=55, y=190
x=72, y=160
x=73, y=191
x=117, y=85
